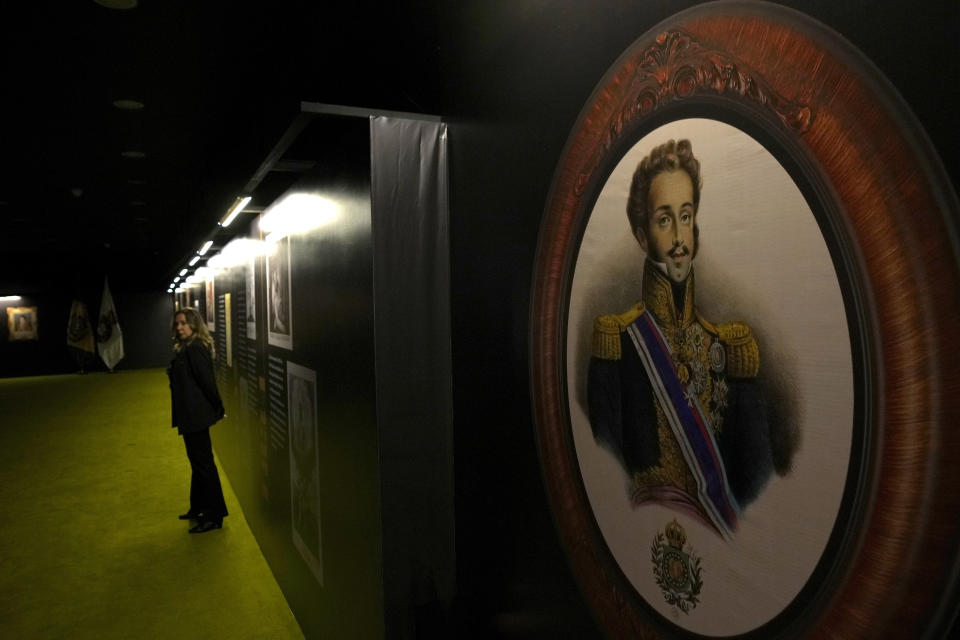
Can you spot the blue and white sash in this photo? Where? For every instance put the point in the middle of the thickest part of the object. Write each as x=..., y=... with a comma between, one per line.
x=688, y=424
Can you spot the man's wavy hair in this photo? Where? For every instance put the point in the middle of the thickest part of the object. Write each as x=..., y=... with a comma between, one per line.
x=669, y=156
x=199, y=327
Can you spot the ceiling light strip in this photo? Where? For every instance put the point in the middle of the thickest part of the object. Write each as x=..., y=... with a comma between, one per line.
x=238, y=206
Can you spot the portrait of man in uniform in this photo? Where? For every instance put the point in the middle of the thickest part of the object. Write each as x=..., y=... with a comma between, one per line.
x=673, y=394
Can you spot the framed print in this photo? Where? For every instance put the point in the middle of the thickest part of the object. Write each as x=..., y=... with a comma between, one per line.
x=210, y=304
x=251, y=298
x=279, y=316
x=228, y=328
x=22, y=323
x=738, y=396
x=304, y=466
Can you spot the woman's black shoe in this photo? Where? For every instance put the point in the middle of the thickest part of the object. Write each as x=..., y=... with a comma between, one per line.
x=189, y=515
x=206, y=525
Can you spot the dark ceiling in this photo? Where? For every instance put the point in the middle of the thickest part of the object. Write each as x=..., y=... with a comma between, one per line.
x=220, y=82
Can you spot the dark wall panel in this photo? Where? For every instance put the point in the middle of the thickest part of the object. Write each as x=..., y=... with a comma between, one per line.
x=48, y=354
x=338, y=435
x=262, y=441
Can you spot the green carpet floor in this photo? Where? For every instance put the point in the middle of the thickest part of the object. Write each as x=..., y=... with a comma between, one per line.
x=92, y=478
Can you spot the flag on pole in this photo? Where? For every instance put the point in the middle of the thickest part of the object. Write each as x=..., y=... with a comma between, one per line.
x=108, y=331
x=79, y=333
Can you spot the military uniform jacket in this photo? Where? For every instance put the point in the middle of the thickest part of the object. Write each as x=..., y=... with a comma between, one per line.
x=196, y=403
x=716, y=363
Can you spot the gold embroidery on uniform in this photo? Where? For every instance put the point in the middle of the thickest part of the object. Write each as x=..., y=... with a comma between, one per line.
x=672, y=469
x=700, y=360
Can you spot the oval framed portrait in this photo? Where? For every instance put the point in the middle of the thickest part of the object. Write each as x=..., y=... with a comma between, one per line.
x=742, y=326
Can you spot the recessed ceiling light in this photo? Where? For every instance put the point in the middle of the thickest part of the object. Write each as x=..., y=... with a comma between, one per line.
x=117, y=4
x=133, y=154
x=128, y=104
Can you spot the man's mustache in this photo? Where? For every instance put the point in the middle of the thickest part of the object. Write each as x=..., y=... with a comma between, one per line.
x=679, y=251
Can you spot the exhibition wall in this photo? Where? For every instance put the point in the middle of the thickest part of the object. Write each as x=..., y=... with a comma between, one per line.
x=333, y=360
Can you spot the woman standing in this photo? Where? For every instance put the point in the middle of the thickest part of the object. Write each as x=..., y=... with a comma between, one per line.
x=196, y=407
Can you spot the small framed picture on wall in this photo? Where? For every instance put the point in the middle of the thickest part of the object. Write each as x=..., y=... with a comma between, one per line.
x=304, y=466
x=22, y=323
x=279, y=294
x=251, y=298
x=210, y=304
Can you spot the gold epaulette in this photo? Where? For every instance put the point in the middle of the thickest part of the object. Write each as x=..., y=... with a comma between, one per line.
x=743, y=354
x=607, y=330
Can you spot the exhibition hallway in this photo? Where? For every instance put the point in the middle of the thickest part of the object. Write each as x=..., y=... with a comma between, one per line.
x=92, y=478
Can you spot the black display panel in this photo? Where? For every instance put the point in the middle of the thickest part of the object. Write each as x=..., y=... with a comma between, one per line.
x=334, y=365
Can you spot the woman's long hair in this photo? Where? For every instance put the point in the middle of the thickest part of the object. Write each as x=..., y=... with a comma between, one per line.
x=199, y=327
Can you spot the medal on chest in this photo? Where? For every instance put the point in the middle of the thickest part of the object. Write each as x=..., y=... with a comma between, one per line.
x=700, y=362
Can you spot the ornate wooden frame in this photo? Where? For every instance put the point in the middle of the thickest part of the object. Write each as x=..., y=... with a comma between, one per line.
x=893, y=569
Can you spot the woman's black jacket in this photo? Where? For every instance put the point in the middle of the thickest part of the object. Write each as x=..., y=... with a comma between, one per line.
x=193, y=388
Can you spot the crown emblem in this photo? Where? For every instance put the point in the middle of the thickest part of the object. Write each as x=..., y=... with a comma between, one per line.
x=676, y=537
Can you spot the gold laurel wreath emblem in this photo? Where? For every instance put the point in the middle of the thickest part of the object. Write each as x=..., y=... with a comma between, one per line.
x=676, y=568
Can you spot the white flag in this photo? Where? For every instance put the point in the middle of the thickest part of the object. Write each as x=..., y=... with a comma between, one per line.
x=108, y=331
